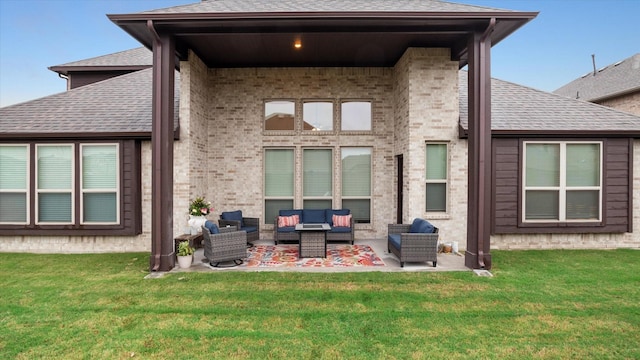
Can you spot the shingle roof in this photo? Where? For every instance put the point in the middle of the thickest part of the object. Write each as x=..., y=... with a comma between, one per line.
x=120, y=106
x=517, y=108
x=251, y=6
x=610, y=81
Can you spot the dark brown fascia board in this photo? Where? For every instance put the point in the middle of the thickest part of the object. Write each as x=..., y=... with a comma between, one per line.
x=615, y=95
x=84, y=136
x=464, y=133
x=66, y=69
x=75, y=136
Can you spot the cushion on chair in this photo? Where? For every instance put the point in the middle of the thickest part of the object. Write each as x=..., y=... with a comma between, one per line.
x=340, y=229
x=313, y=216
x=284, y=221
x=395, y=240
x=233, y=215
x=330, y=212
x=249, y=229
x=421, y=226
x=286, y=229
x=341, y=221
x=212, y=227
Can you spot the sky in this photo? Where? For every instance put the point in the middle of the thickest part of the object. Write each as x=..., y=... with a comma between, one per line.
x=548, y=52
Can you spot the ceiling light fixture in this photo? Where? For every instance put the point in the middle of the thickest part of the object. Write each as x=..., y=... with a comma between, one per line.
x=297, y=44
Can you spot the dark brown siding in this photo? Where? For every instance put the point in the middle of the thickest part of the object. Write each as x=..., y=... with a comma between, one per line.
x=130, y=202
x=507, y=202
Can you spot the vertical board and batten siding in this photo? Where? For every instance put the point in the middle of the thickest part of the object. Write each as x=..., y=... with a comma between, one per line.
x=507, y=198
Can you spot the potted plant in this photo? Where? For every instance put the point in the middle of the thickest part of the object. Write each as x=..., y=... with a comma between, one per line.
x=185, y=254
x=198, y=209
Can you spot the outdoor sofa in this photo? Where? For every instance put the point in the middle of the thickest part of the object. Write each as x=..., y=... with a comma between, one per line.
x=284, y=224
x=415, y=242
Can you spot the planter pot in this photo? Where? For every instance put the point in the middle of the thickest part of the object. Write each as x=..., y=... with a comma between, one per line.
x=185, y=261
x=196, y=223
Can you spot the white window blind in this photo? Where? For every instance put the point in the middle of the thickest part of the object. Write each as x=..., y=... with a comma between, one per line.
x=55, y=183
x=100, y=183
x=436, y=177
x=356, y=182
x=14, y=165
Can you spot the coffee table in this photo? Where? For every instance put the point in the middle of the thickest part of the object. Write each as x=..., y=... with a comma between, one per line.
x=313, y=240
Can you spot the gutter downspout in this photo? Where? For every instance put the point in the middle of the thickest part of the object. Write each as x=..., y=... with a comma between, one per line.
x=482, y=155
x=157, y=241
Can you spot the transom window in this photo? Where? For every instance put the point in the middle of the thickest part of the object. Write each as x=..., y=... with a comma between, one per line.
x=317, y=115
x=279, y=115
x=355, y=116
x=436, y=166
x=562, y=181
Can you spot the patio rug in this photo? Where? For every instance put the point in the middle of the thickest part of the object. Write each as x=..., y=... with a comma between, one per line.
x=287, y=256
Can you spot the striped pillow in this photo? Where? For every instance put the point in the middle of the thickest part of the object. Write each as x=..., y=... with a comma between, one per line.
x=285, y=221
x=342, y=220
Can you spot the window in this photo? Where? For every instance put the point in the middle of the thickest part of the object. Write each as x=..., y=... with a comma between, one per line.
x=14, y=180
x=54, y=184
x=317, y=178
x=100, y=184
x=279, y=115
x=278, y=181
x=562, y=181
x=317, y=115
x=356, y=116
x=356, y=183
x=436, y=177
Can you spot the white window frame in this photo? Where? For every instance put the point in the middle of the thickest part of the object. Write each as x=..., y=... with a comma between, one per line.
x=39, y=191
x=116, y=190
x=444, y=181
x=562, y=188
x=26, y=190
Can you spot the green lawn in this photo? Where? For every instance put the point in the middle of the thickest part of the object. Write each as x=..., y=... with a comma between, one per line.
x=539, y=305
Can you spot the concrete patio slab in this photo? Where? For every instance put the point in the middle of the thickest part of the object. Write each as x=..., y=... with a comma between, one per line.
x=446, y=262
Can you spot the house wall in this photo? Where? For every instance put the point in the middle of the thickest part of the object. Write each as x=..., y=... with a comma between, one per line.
x=628, y=103
x=417, y=101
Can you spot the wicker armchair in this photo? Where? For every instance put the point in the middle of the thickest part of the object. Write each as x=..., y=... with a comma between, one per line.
x=249, y=224
x=228, y=245
x=413, y=247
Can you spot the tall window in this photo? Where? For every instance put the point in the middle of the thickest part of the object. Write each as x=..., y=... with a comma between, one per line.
x=355, y=116
x=436, y=177
x=279, y=115
x=562, y=181
x=278, y=181
x=317, y=115
x=54, y=184
x=100, y=183
x=317, y=178
x=14, y=180
x=356, y=183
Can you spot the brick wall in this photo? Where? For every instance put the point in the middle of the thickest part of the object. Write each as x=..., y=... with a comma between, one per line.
x=628, y=103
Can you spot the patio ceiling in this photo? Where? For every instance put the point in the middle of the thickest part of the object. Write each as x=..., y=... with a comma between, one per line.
x=327, y=39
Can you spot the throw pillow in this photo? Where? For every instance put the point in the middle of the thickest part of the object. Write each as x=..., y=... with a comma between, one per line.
x=212, y=227
x=286, y=221
x=342, y=220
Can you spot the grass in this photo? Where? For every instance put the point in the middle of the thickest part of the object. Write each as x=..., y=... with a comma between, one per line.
x=538, y=305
